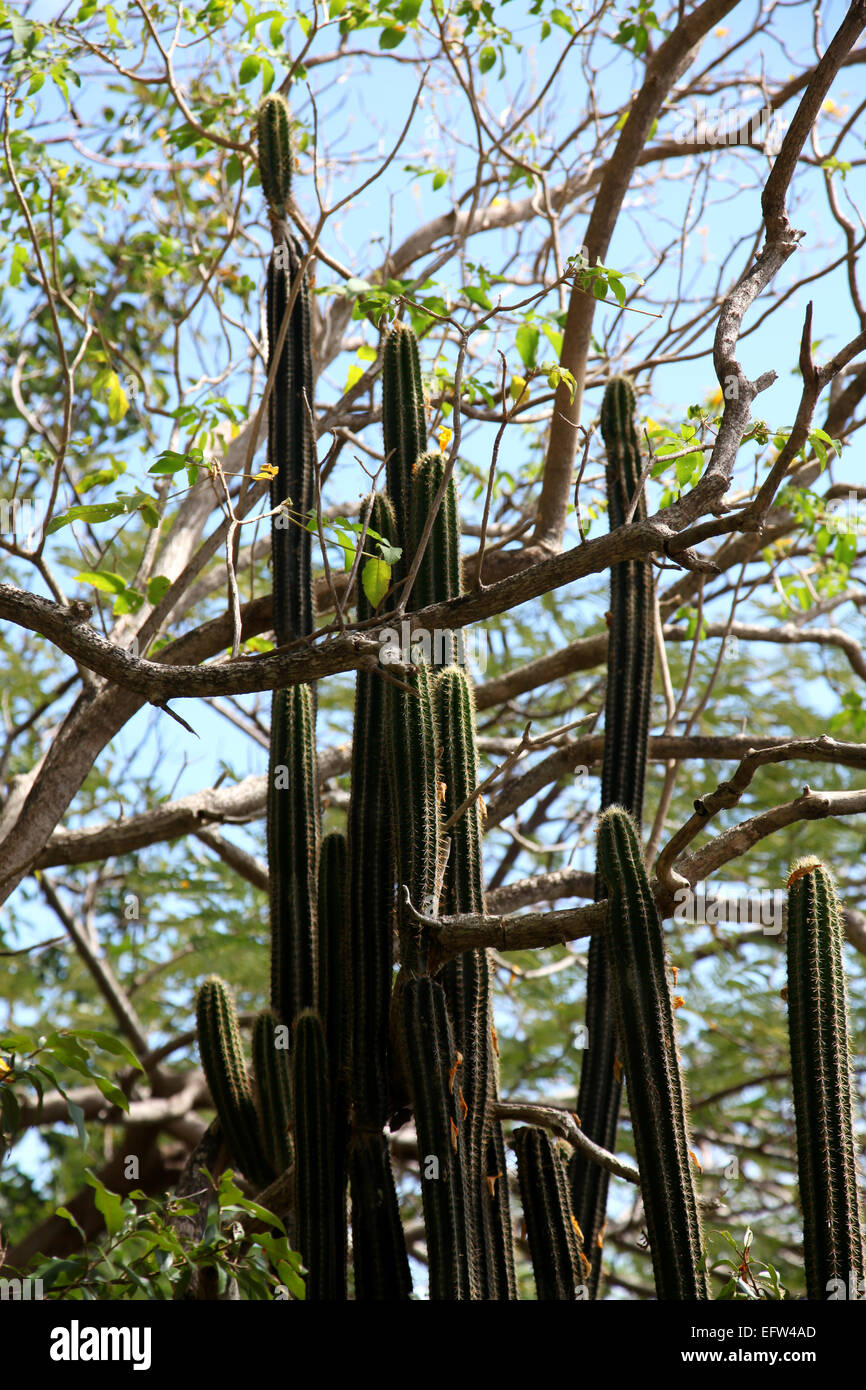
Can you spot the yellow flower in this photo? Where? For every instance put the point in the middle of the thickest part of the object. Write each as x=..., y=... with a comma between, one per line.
x=445, y=437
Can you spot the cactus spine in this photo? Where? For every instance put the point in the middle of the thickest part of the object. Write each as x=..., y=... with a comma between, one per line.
x=550, y=1226
x=433, y=1066
x=627, y=708
x=647, y=1048
x=222, y=1058
x=273, y=1089
x=821, y=1071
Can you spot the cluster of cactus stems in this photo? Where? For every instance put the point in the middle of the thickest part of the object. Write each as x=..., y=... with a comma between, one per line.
x=355, y=1039
x=821, y=1073
x=627, y=711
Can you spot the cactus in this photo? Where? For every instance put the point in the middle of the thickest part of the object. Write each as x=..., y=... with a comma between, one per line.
x=331, y=901
x=379, y=1259
x=291, y=445
x=404, y=422
x=415, y=795
x=438, y=577
x=820, y=1067
x=222, y=1058
x=319, y=1234
x=434, y=1067
x=273, y=1089
x=627, y=707
x=381, y=1265
x=371, y=879
x=275, y=153
x=551, y=1230
x=646, y=1044
x=293, y=849
x=333, y=930
x=466, y=981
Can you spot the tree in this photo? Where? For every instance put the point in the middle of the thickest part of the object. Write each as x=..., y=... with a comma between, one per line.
x=545, y=195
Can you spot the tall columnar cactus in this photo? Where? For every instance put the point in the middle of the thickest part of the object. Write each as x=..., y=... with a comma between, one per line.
x=434, y=1070
x=371, y=886
x=293, y=850
x=646, y=1045
x=404, y=423
x=222, y=1058
x=627, y=711
x=291, y=441
x=415, y=799
x=333, y=933
x=466, y=981
x=821, y=1071
x=550, y=1228
x=380, y=1261
x=275, y=153
x=439, y=575
x=319, y=1233
x=273, y=1088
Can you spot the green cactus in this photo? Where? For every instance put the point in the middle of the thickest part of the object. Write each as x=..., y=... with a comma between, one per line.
x=380, y=1263
x=273, y=1088
x=275, y=153
x=627, y=710
x=371, y=886
x=438, y=577
x=821, y=1071
x=332, y=908
x=414, y=783
x=550, y=1227
x=319, y=1233
x=293, y=851
x=467, y=985
x=646, y=1044
x=222, y=1058
x=404, y=422
x=434, y=1079
x=333, y=932
x=291, y=445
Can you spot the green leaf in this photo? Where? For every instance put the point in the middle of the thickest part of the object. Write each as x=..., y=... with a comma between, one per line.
x=476, y=296
x=107, y=1203
x=486, y=58
x=169, y=462
x=440, y=178
x=128, y=602
x=375, y=579
x=618, y=288
x=109, y=1043
x=67, y=1216
x=392, y=37
x=526, y=339
x=249, y=69
x=267, y=76
x=107, y=582
x=156, y=587
x=554, y=338
x=20, y=257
